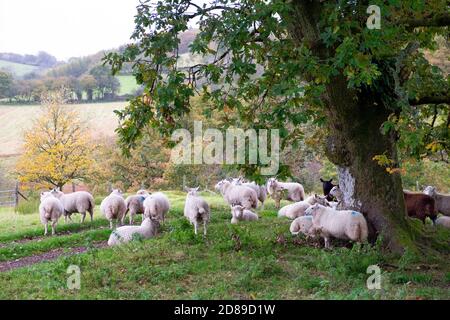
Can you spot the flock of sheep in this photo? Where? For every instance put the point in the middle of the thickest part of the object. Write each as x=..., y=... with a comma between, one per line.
x=314, y=216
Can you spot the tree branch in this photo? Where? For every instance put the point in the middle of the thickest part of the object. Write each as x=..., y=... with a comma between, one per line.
x=444, y=99
x=438, y=20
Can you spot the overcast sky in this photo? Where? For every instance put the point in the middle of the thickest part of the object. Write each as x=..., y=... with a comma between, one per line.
x=65, y=28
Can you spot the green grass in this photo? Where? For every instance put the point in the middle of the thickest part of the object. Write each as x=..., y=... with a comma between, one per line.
x=128, y=84
x=17, y=69
x=255, y=260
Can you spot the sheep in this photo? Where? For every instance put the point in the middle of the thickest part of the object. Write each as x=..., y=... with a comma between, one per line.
x=239, y=213
x=156, y=206
x=327, y=185
x=341, y=224
x=441, y=201
x=50, y=209
x=291, y=191
x=339, y=195
x=196, y=209
x=419, y=205
x=135, y=204
x=261, y=191
x=114, y=208
x=302, y=225
x=76, y=202
x=238, y=194
x=149, y=228
x=443, y=221
x=297, y=209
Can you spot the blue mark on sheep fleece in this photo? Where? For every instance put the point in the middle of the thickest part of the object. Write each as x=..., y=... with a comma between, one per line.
x=142, y=199
x=355, y=213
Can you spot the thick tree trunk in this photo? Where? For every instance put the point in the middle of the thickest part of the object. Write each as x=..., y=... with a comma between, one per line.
x=355, y=138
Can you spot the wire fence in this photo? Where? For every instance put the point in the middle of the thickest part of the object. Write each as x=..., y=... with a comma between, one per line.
x=10, y=198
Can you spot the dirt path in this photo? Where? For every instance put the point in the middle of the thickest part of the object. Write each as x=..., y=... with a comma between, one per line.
x=47, y=256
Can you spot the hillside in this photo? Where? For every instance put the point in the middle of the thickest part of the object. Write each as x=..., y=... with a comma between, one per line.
x=17, y=69
x=15, y=119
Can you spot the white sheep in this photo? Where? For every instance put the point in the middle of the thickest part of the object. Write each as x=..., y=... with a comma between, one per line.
x=239, y=213
x=443, y=221
x=341, y=224
x=339, y=195
x=441, y=201
x=148, y=229
x=261, y=191
x=114, y=208
x=297, y=209
x=238, y=194
x=156, y=206
x=302, y=225
x=76, y=202
x=291, y=191
x=135, y=204
x=196, y=209
x=50, y=210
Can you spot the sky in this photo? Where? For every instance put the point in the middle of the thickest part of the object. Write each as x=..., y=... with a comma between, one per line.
x=65, y=28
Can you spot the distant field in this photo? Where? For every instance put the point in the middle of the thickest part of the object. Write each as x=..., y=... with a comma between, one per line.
x=17, y=69
x=15, y=119
x=128, y=84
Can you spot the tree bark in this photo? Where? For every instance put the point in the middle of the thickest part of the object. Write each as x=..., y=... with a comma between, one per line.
x=354, y=122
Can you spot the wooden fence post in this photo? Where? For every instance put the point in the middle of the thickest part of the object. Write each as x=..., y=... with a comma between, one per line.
x=16, y=196
x=73, y=187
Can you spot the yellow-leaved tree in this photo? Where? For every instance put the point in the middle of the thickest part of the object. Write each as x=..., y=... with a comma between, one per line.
x=57, y=148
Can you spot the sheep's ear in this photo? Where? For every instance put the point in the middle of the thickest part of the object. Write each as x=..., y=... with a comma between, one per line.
x=331, y=180
x=198, y=188
x=321, y=180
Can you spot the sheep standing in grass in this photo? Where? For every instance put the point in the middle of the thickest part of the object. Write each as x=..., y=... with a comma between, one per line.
x=114, y=208
x=341, y=224
x=443, y=221
x=441, y=201
x=261, y=191
x=301, y=225
x=135, y=204
x=196, y=209
x=156, y=206
x=239, y=213
x=291, y=191
x=149, y=228
x=238, y=194
x=297, y=209
x=50, y=210
x=76, y=202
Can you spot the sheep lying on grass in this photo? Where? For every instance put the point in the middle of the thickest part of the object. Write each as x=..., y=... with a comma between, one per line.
x=291, y=191
x=295, y=210
x=441, y=201
x=238, y=194
x=443, y=221
x=419, y=205
x=196, y=209
x=76, y=202
x=113, y=207
x=239, y=213
x=148, y=229
x=50, y=210
x=341, y=224
x=301, y=225
x=156, y=206
x=135, y=204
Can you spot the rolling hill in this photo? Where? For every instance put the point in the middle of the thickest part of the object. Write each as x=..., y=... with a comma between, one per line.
x=17, y=69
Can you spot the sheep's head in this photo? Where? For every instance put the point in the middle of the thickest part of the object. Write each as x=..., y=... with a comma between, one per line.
x=143, y=192
x=430, y=190
x=237, y=181
x=56, y=193
x=221, y=185
x=46, y=194
x=192, y=191
x=314, y=210
x=321, y=200
x=117, y=192
x=271, y=182
x=237, y=210
x=336, y=192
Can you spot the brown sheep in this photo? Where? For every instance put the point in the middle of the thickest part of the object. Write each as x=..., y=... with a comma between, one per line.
x=420, y=206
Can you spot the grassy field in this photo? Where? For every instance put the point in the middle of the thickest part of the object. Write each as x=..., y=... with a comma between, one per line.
x=17, y=69
x=258, y=260
x=15, y=119
x=128, y=84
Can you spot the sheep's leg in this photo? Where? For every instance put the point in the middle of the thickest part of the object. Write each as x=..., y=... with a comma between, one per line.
x=131, y=218
x=262, y=205
x=83, y=216
x=327, y=242
x=91, y=213
x=110, y=224
x=54, y=227
x=277, y=203
x=204, y=227
x=65, y=218
x=45, y=229
x=195, y=227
